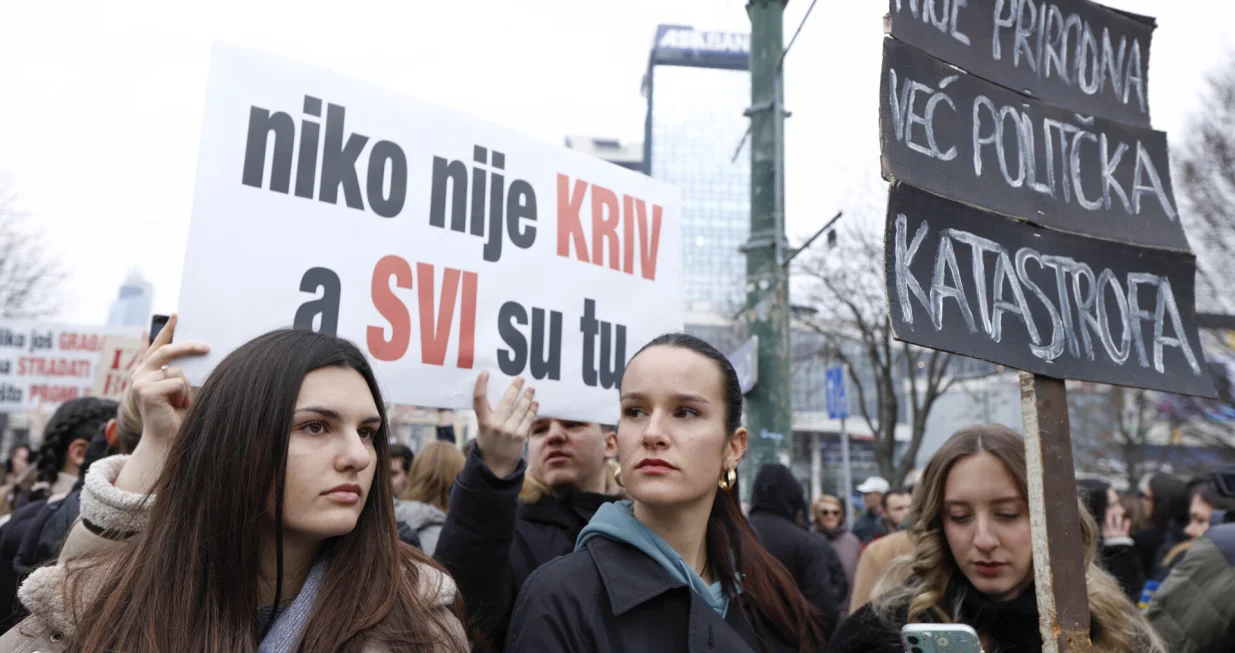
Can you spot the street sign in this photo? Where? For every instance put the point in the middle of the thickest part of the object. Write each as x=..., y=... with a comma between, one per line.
x=745, y=361
x=838, y=400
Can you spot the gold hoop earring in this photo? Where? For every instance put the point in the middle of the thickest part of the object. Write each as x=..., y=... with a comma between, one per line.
x=617, y=476
x=728, y=479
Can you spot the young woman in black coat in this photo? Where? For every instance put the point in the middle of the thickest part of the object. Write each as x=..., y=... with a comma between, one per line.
x=678, y=568
x=973, y=561
x=1118, y=551
x=1166, y=502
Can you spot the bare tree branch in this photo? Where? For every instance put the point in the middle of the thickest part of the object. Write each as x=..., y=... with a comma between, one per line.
x=1205, y=190
x=30, y=280
x=846, y=289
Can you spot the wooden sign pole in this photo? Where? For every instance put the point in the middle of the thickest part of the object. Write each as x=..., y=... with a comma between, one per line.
x=1058, y=554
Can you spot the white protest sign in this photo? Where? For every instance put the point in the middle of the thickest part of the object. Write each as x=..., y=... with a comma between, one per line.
x=440, y=244
x=49, y=364
x=117, y=358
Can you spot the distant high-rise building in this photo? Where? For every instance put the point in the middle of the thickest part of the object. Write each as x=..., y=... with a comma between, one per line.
x=133, y=303
x=627, y=155
x=697, y=88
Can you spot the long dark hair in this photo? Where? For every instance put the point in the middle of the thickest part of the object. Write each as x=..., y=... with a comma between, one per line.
x=769, y=595
x=190, y=581
x=76, y=419
x=1094, y=495
x=8, y=462
x=1171, y=500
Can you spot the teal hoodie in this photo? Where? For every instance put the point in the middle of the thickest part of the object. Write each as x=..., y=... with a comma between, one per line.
x=617, y=522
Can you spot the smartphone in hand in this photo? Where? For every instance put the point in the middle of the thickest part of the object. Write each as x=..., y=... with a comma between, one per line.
x=156, y=325
x=940, y=638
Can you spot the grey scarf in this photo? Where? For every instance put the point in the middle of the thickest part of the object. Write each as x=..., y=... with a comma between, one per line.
x=288, y=627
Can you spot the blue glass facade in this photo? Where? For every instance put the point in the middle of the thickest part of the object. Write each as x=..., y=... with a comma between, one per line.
x=697, y=88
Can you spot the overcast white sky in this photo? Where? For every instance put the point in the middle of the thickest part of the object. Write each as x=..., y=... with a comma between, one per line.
x=102, y=102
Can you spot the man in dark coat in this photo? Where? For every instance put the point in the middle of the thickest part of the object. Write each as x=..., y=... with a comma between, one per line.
x=492, y=539
x=778, y=514
x=870, y=525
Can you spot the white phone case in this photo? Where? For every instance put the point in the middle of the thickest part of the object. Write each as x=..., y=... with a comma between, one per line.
x=940, y=638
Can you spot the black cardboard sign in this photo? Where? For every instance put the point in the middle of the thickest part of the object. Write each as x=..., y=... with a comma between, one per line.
x=966, y=281
x=1072, y=53
x=967, y=139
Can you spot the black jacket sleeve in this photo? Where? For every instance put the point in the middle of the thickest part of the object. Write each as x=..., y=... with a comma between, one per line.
x=546, y=619
x=11, y=537
x=864, y=632
x=836, y=573
x=475, y=543
x=1124, y=563
x=818, y=583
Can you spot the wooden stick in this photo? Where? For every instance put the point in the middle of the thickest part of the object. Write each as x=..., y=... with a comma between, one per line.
x=1058, y=554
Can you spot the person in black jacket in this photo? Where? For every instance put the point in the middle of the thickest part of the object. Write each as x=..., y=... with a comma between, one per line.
x=76, y=428
x=777, y=512
x=1118, y=554
x=1166, y=502
x=492, y=540
x=36, y=538
x=973, y=560
x=677, y=568
x=869, y=525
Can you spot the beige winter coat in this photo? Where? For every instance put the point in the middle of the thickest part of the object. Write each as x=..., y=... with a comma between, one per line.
x=50, y=623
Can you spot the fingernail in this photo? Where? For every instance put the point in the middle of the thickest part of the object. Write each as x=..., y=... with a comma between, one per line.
x=531, y=391
x=535, y=405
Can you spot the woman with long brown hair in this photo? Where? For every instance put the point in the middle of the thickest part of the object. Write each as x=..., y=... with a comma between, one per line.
x=677, y=567
x=973, y=562
x=253, y=515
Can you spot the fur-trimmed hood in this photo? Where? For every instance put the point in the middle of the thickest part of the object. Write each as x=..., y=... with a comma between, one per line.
x=43, y=595
x=104, y=509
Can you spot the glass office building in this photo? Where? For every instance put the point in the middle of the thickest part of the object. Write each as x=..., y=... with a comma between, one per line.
x=132, y=305
x=697, y=88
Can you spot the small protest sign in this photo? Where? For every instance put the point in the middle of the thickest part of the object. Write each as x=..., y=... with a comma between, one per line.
x=117, y=359
x=967, y=281
x=48, y=364
x=1072, y=53
x=970, y=140
x=439, y=243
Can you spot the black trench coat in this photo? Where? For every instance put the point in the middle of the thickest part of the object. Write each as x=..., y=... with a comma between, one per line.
x=610, y=597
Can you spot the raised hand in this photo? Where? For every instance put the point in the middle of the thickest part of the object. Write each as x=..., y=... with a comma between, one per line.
x=503, y=430
x=1116, y=525
x=161, y=395
x=159, y=392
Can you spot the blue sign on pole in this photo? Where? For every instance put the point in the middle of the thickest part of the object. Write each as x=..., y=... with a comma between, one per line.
x=838, y=400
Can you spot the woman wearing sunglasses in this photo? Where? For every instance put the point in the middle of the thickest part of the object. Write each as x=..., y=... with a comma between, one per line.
x=829, y=513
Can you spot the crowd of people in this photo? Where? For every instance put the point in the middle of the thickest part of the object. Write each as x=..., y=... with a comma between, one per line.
x=271, y=510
